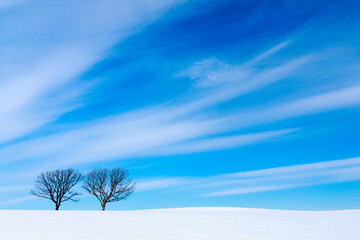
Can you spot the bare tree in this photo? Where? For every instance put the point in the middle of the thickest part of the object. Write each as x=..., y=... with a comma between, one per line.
x=56, y=185
x=109, y=185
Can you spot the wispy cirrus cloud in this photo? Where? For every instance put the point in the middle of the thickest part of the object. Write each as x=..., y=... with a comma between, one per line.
x=288, y=177
x=263, y=180
x=259, y=79
x=93, y=84
x=161, y=183
x=36, y=66
x=9, y=3
x=16, y=201
x=217, y=143
x=14, y=188
x=29, y=100
x=183, y=126
x=330, y=101
x=134, y=135
x=164, y=129
x=170, y=129
x=212, y=72
x=256, y=181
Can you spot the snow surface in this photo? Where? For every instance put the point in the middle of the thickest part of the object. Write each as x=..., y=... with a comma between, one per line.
x=181, y=224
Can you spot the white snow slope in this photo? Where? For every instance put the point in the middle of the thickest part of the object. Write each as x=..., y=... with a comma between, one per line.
x=181, y=224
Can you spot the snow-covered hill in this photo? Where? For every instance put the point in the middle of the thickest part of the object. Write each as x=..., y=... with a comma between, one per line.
x=181, y=224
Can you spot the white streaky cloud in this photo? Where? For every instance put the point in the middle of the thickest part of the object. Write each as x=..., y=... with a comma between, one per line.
x=246, y=190
x=136, y=133
x=256, y=80
x=252, y=83
x=127, y=138
x=48, y=45
x=296, y=181
x=258, y=59
x=35, y=65
x=44, y=77
x=9, y=3
x=163, y=183
x=213, y=72
x=14, y=188
x=154, y=131
x=16, y=200
x=116, y=136
x=217, y=143
x=297, y=168
x=111, y=138
x=264, y=180
x=335, y=100
x=162, y=130
x=346, y=97
x=26, y=102
x=286, y=177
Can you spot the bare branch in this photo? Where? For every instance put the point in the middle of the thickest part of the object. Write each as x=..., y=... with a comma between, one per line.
x=56, y=185
x=109, y=185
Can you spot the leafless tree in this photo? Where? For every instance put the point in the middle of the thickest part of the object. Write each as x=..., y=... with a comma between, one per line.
x=56, y=185
x=109, y=185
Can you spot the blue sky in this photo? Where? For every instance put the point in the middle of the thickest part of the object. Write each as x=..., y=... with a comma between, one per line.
x=207, y=103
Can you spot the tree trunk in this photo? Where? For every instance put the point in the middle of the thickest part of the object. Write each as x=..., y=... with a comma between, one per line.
x=103, y=207
x=57, y=207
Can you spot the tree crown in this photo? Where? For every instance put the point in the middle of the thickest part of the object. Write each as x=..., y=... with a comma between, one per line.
x=109, y=185
x=56, y=185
